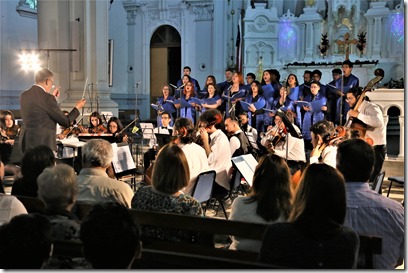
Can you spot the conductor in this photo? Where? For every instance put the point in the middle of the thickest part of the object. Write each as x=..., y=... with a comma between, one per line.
x=41, y=113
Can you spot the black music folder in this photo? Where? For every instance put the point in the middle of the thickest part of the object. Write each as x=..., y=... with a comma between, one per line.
x=162, y=139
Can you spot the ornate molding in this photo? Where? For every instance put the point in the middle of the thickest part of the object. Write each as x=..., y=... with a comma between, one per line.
x=253, y=28
x=131, y=8
x=203, y=11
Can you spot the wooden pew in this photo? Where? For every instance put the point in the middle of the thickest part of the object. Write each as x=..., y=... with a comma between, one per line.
x=203, y=254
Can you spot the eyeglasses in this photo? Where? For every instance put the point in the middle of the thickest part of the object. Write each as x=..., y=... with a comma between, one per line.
x=349, y=99
x=53, y=85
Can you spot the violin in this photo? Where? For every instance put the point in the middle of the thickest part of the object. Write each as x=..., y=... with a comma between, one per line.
x=100, y=129
x=339, y=133
x=274, y=136
x=10, y=133
x=73, y=129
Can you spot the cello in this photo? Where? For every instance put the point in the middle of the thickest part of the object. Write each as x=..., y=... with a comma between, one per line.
x=353, y=124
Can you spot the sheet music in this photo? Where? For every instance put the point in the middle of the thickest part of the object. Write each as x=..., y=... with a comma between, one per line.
x=122, y=158
x=147, y=130
x=246, y=165
x=72, y=142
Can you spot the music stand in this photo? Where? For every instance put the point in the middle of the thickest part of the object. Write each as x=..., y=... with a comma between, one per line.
x=85, y=137
x=162, y=139
x=123, y=164
x=148, y=134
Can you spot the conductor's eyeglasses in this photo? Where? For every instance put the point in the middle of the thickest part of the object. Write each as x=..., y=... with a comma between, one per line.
x=53, y=85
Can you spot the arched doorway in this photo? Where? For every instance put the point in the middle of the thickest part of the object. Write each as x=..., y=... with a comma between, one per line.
x=165, y=61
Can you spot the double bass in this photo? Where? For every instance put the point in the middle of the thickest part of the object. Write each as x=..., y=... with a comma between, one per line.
x=352, y=123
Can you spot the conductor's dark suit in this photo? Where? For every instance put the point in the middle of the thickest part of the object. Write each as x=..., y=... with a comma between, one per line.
x=40, y=113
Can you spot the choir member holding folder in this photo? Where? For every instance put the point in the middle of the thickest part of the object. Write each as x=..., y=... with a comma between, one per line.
x=310, y=111
x=254, y=101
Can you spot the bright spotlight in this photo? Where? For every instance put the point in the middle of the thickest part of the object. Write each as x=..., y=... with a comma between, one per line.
x=29, y=61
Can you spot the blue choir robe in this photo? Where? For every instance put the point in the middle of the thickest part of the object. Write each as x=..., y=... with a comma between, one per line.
x=310, y=117
x=256, y=121
x=348, y=83
x=167, y=106
x=188, y=111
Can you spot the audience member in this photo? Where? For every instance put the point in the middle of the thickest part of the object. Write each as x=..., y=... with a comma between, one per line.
x=195, y=154
x=57, y=188
x=34, y=161
x=10, y=206
x=368, y=212
x=170, y=175
x=94, y=184
x=25, y=242
x=315, y=236
x=111, y=237
x=268, y=202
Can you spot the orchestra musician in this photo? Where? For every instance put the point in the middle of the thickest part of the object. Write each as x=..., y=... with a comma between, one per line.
x=324, y=141
x=96, y=124
x=184, y=133
x=9, y=132
x=371, y=115
x=115, y=127
x=280, y=142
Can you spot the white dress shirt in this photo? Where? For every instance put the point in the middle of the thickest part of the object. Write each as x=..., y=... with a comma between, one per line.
x=197, y=163
x=220, y=158
x=158, y=130
x=372, y=115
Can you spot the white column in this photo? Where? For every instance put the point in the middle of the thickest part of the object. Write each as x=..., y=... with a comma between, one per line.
x=401, y=146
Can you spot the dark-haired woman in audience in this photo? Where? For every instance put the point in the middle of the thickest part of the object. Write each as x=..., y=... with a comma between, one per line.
x=96, y=124
x=115, y=127
x=315, y=236
x=268, y=202
x=34, y=161
x=169, y=176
